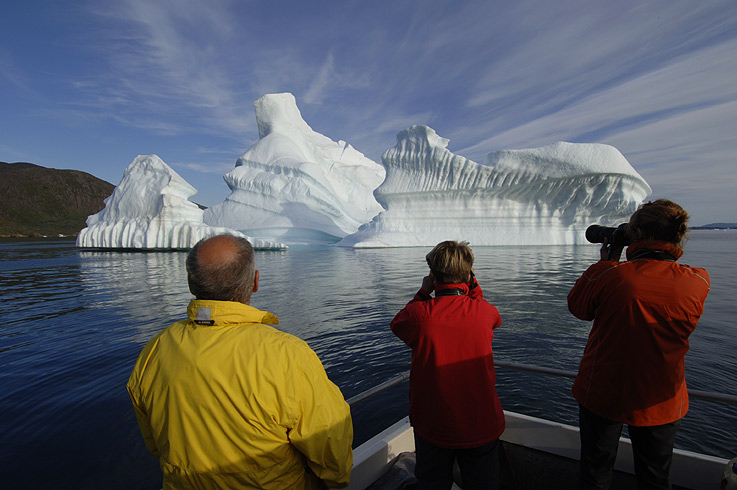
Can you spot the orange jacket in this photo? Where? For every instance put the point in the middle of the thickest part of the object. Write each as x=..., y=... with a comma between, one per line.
x=632, y=370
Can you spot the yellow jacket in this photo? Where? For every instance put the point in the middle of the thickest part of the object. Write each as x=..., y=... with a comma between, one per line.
x=224, y=401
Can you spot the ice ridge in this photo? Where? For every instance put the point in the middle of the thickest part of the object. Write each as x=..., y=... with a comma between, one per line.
x=150, y=209
x=539, y=196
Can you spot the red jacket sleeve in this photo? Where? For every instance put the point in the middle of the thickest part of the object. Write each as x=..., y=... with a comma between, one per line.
x=583, y=297
x=405, y=324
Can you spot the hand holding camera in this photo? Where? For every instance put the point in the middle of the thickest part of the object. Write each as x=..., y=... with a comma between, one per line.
x=613, y=240
x=610, y=252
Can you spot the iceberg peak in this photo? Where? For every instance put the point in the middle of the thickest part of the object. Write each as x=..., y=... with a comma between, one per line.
x=278, y=113
x=420, y=136
x=150, y=209
x=147, y=176
x=296, y=185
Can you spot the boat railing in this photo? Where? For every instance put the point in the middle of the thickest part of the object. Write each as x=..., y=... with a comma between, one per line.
x=700, y=395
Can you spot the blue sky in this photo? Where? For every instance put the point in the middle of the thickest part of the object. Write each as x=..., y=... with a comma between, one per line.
x=89, y=85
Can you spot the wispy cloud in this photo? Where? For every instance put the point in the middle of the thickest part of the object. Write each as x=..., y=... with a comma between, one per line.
x=696, y=80
x=182, y=75
x=697, y=155
x=167, y=59
x=10, y=71
x=219, y=167
x=316, y=90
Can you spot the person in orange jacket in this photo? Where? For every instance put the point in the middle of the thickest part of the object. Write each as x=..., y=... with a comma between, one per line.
x=632, y=369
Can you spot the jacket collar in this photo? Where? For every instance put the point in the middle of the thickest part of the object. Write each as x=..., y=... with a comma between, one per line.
x=210, y=312
x=462, y=286
x=667, y=247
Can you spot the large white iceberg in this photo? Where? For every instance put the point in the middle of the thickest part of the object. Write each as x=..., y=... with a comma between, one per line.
x=547, y=195
x=296, y=185
x=150, y=209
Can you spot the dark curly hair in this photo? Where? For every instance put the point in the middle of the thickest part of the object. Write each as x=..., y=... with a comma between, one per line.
x=659, y=220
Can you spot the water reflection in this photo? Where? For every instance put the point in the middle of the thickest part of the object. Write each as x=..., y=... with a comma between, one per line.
x=148, y=289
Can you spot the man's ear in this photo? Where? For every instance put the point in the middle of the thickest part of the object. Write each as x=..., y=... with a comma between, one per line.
x=255, y=282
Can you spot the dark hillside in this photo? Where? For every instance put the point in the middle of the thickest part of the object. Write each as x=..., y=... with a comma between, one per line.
x=37, y=201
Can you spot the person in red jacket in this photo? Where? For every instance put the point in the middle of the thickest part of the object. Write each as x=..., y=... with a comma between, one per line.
x=632, y=369
x=454, y=407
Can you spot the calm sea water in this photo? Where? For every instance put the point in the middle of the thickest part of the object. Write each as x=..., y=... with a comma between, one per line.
x=73, y=321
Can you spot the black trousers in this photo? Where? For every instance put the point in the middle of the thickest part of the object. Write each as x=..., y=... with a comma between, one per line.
x=652, y=450
x=434, y=467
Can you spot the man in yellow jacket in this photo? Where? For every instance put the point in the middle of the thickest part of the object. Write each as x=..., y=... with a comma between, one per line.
x=226, y=401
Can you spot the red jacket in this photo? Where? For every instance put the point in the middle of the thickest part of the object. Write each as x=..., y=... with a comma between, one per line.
x=632, y=370
x=453, y=399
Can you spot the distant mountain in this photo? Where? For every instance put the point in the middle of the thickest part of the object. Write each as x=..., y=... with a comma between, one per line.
x=716, y=226
x=39, y=201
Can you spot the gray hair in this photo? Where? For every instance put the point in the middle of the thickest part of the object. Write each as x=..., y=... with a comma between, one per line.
x=231, y=280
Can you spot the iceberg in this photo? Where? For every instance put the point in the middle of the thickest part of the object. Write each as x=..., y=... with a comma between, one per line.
x=150, y=209
x=296, y=185
x=546, y=195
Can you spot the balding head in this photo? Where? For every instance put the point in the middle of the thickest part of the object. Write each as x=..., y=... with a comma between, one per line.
x=222, y=268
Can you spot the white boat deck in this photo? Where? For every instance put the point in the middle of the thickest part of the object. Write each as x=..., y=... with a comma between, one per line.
x=544, y=443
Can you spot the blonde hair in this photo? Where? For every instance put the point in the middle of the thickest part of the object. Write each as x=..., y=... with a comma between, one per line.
x=659, y=220
x=450, y=262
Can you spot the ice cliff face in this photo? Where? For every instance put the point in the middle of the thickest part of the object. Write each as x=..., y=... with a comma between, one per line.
x=539, y=196
x=296, y=185
x=150, y=209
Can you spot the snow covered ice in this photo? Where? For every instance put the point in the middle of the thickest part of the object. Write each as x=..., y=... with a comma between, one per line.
x=547, y=195
x=296, y=185
x=150, y=209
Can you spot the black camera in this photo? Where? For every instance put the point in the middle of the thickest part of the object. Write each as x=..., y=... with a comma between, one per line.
x=617, y=236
